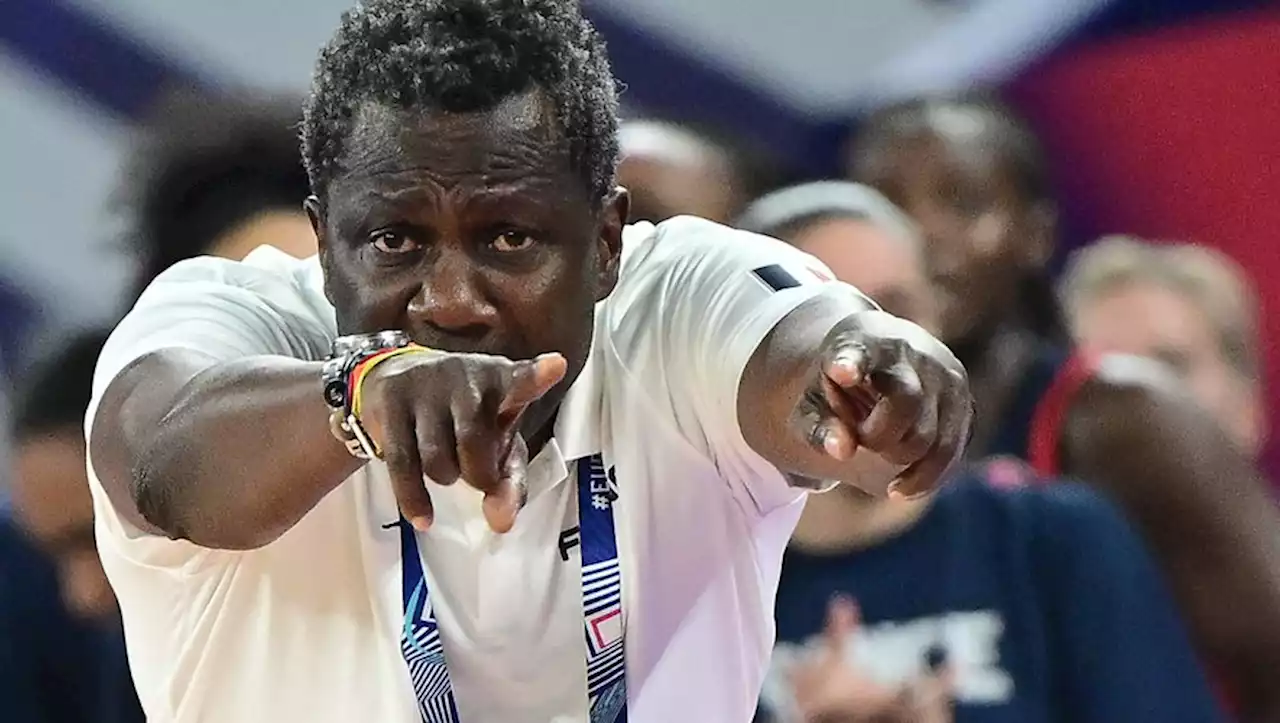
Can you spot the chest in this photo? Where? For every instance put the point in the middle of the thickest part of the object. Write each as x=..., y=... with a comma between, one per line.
x=522, y=589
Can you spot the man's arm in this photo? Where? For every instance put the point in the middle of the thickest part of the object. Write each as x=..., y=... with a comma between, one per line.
x=779, y=373
x=1201, y=506
x=228, y=455
x=1117, y=646
x=205, y=423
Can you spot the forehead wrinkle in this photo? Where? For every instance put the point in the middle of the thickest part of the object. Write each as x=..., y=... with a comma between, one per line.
x=520, y=130
x=420, y=184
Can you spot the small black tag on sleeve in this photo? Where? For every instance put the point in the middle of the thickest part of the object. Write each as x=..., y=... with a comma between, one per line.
x=776, y=277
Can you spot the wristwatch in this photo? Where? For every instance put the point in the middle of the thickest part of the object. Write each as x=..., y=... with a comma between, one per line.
x=345, y=355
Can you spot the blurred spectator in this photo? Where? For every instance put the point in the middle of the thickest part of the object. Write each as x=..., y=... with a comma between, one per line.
x=672, y=170
x=1189, y=306
x=62, y=657
x=218, y=176
x=17, y=318
x=1038, y=603
x=1027, y=605
x=974, y=178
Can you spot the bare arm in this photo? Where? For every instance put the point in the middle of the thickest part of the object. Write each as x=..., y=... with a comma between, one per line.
x=227, y=455
x=1203, y=509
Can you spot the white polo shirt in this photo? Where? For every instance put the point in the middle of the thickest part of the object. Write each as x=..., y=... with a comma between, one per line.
x=307, y=628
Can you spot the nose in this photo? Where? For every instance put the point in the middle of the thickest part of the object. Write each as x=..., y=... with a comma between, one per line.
x=452, y=303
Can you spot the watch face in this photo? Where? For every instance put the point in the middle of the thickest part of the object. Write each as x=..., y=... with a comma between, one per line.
x=335, y=394
x=346, y=352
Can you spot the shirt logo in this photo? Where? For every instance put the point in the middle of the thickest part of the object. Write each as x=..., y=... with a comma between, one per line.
x=569, y=539
x=779, y=279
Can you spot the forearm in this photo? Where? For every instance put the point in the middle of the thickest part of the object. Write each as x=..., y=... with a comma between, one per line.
x=235, y=456
x=779, y=374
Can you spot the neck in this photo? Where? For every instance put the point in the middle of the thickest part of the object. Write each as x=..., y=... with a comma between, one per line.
x=845, y=520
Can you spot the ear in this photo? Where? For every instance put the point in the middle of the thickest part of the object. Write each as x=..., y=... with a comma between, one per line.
x=316, y=215
x=1039, y=230
x=613, y=218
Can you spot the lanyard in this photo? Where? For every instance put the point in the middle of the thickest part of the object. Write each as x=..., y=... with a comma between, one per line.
x=601, y=603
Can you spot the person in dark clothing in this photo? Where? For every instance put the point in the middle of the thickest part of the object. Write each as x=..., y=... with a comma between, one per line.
x=1039, y=601
x=211, y=176
x=62, y=655
x=989, y=597
x=974, y=178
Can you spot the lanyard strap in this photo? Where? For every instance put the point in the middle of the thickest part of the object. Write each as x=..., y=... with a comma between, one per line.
x=606, y=683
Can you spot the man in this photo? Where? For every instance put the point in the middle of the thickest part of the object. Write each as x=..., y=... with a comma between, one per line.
x=462, y=157
x=62, y=655
x=1188, y=306
x=673, y=171
x=982, y=604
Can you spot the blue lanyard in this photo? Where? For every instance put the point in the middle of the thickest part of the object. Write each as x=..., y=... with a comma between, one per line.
x=601, y=603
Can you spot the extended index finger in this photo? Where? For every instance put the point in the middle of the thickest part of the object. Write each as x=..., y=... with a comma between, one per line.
x=530, y=380
x=848, y=362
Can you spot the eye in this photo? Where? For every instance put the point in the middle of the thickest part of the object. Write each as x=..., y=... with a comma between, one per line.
x=513, y=241
x=393, y=242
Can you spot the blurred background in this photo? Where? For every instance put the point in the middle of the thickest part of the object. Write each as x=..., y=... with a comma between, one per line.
x=1158, y=121
x=1159, y=115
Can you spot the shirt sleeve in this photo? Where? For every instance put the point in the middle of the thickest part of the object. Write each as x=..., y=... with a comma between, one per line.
x=222, y=308
x=1118, y=645
x=265, y=305
x=695, y=301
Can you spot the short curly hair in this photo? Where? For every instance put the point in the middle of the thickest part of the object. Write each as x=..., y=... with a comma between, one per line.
x=460, y=56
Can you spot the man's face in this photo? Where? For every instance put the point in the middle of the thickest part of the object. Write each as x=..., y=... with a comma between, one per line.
x=471, y=233
x=1149, y=320
x=52, y=503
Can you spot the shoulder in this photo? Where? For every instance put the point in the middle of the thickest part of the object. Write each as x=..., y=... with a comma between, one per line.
x=689, y=244
x=269, y=303
x=646, y=244
x=267, y=273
